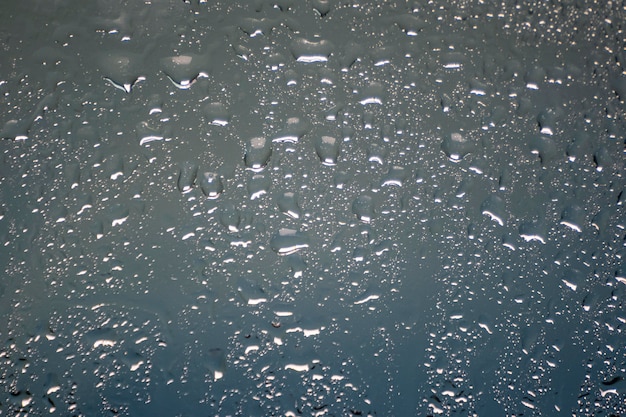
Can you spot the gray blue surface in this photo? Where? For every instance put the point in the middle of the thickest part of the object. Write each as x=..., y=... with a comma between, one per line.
x=312, y=208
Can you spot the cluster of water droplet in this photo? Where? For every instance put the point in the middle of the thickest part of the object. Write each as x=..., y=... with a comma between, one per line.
x=313, y=208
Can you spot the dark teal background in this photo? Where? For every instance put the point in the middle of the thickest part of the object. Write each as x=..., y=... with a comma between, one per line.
x=312, y=208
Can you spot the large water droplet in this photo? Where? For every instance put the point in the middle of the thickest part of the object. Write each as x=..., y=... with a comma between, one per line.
x=493, y=207
x=373, y=93
x=363, y=207
x=294, y=129
x=230, y=217
x=573, y=217
x=258, y=186
x=396, y=175
x=456, y=146
x=288, y=241
x=187, y=175
x=121, y=70
x=217, y=114
x=184, y=70
x=258, y=153
x=210, y=184
x=311, y=51
x=288, y=204
x=327, y=148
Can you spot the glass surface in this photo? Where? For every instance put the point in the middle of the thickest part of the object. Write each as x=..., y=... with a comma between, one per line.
x=312, y=208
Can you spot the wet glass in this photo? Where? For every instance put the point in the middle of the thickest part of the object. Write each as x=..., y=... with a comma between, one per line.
x=316, y=208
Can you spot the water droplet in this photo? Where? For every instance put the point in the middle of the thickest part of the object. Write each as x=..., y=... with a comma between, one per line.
x=288, y=241
x=376, y=153
x=580, y=147
x=493, y=207
x=363, y=207
x=211, y=184
x=327, y=148
x=373, y=93
x=573, y=217
x=288, y=204
x=230, y=217
x=533, y=231
x=217, y=114
x=456, y=146
x=396, y=175
x=258, y=186
x=214, y=360
x=409, y=24
x=294, y=130
x=121, y=70
x=601, y=220
x=546, y=121
x=307, y=51
x=187, y=175
x=545, y=148
x=322, y=7
x=251, y=292
x=603, y=159
x=258, y=153
x=340, y=179
x=184, y=70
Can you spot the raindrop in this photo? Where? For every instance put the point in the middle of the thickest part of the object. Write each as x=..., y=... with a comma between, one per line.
x=457, y=146
x=308, y=52
x=217, y=114
x=288, y=204
x=184, y=70
x=545, y=148
x=294, y=130
x=396, y=175
x=363, y=208
x=210, y=184
x=258, y=153
x=376, y=153
x=493, y=207
x=533, y=231
x=573, y=217
x=258, y=186
x=322, y=7
x=121, y=70
x=187, y=175
x=373, y=93
x=288, y=241
x=230, y=217
x=327, y=148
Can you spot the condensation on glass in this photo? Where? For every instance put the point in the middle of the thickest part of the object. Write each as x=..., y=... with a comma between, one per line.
x=314, y=207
